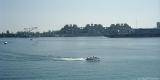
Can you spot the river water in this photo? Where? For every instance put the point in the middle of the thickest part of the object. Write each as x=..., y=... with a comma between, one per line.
x=63, y=58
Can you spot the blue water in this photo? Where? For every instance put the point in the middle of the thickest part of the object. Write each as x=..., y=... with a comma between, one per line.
x=62, y=58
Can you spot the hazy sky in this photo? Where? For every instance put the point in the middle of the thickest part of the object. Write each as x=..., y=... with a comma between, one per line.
x=54, y=14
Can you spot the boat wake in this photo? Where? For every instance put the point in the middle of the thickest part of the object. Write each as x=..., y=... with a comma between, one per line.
x=28, y=57
x=69, y=59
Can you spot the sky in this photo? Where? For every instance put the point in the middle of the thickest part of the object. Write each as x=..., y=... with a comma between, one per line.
x=16, y=15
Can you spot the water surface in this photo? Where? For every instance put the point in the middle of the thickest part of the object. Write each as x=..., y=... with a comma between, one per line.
x=63, y=58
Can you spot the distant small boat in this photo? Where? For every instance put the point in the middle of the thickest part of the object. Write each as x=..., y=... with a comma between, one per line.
x=93, y=58
x=5, y=42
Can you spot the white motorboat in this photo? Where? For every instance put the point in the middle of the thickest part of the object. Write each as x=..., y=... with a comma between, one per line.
x=93, y=58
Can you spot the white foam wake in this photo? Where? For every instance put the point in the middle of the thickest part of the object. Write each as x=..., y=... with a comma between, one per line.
x=70, y=59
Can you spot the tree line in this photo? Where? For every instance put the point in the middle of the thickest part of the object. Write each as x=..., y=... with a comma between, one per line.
x=72, y=30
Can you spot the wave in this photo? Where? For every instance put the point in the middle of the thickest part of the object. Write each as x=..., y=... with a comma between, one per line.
x=148, y=78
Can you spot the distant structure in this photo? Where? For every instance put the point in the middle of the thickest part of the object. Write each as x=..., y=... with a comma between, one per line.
x=158, y=25
x=30, y=29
